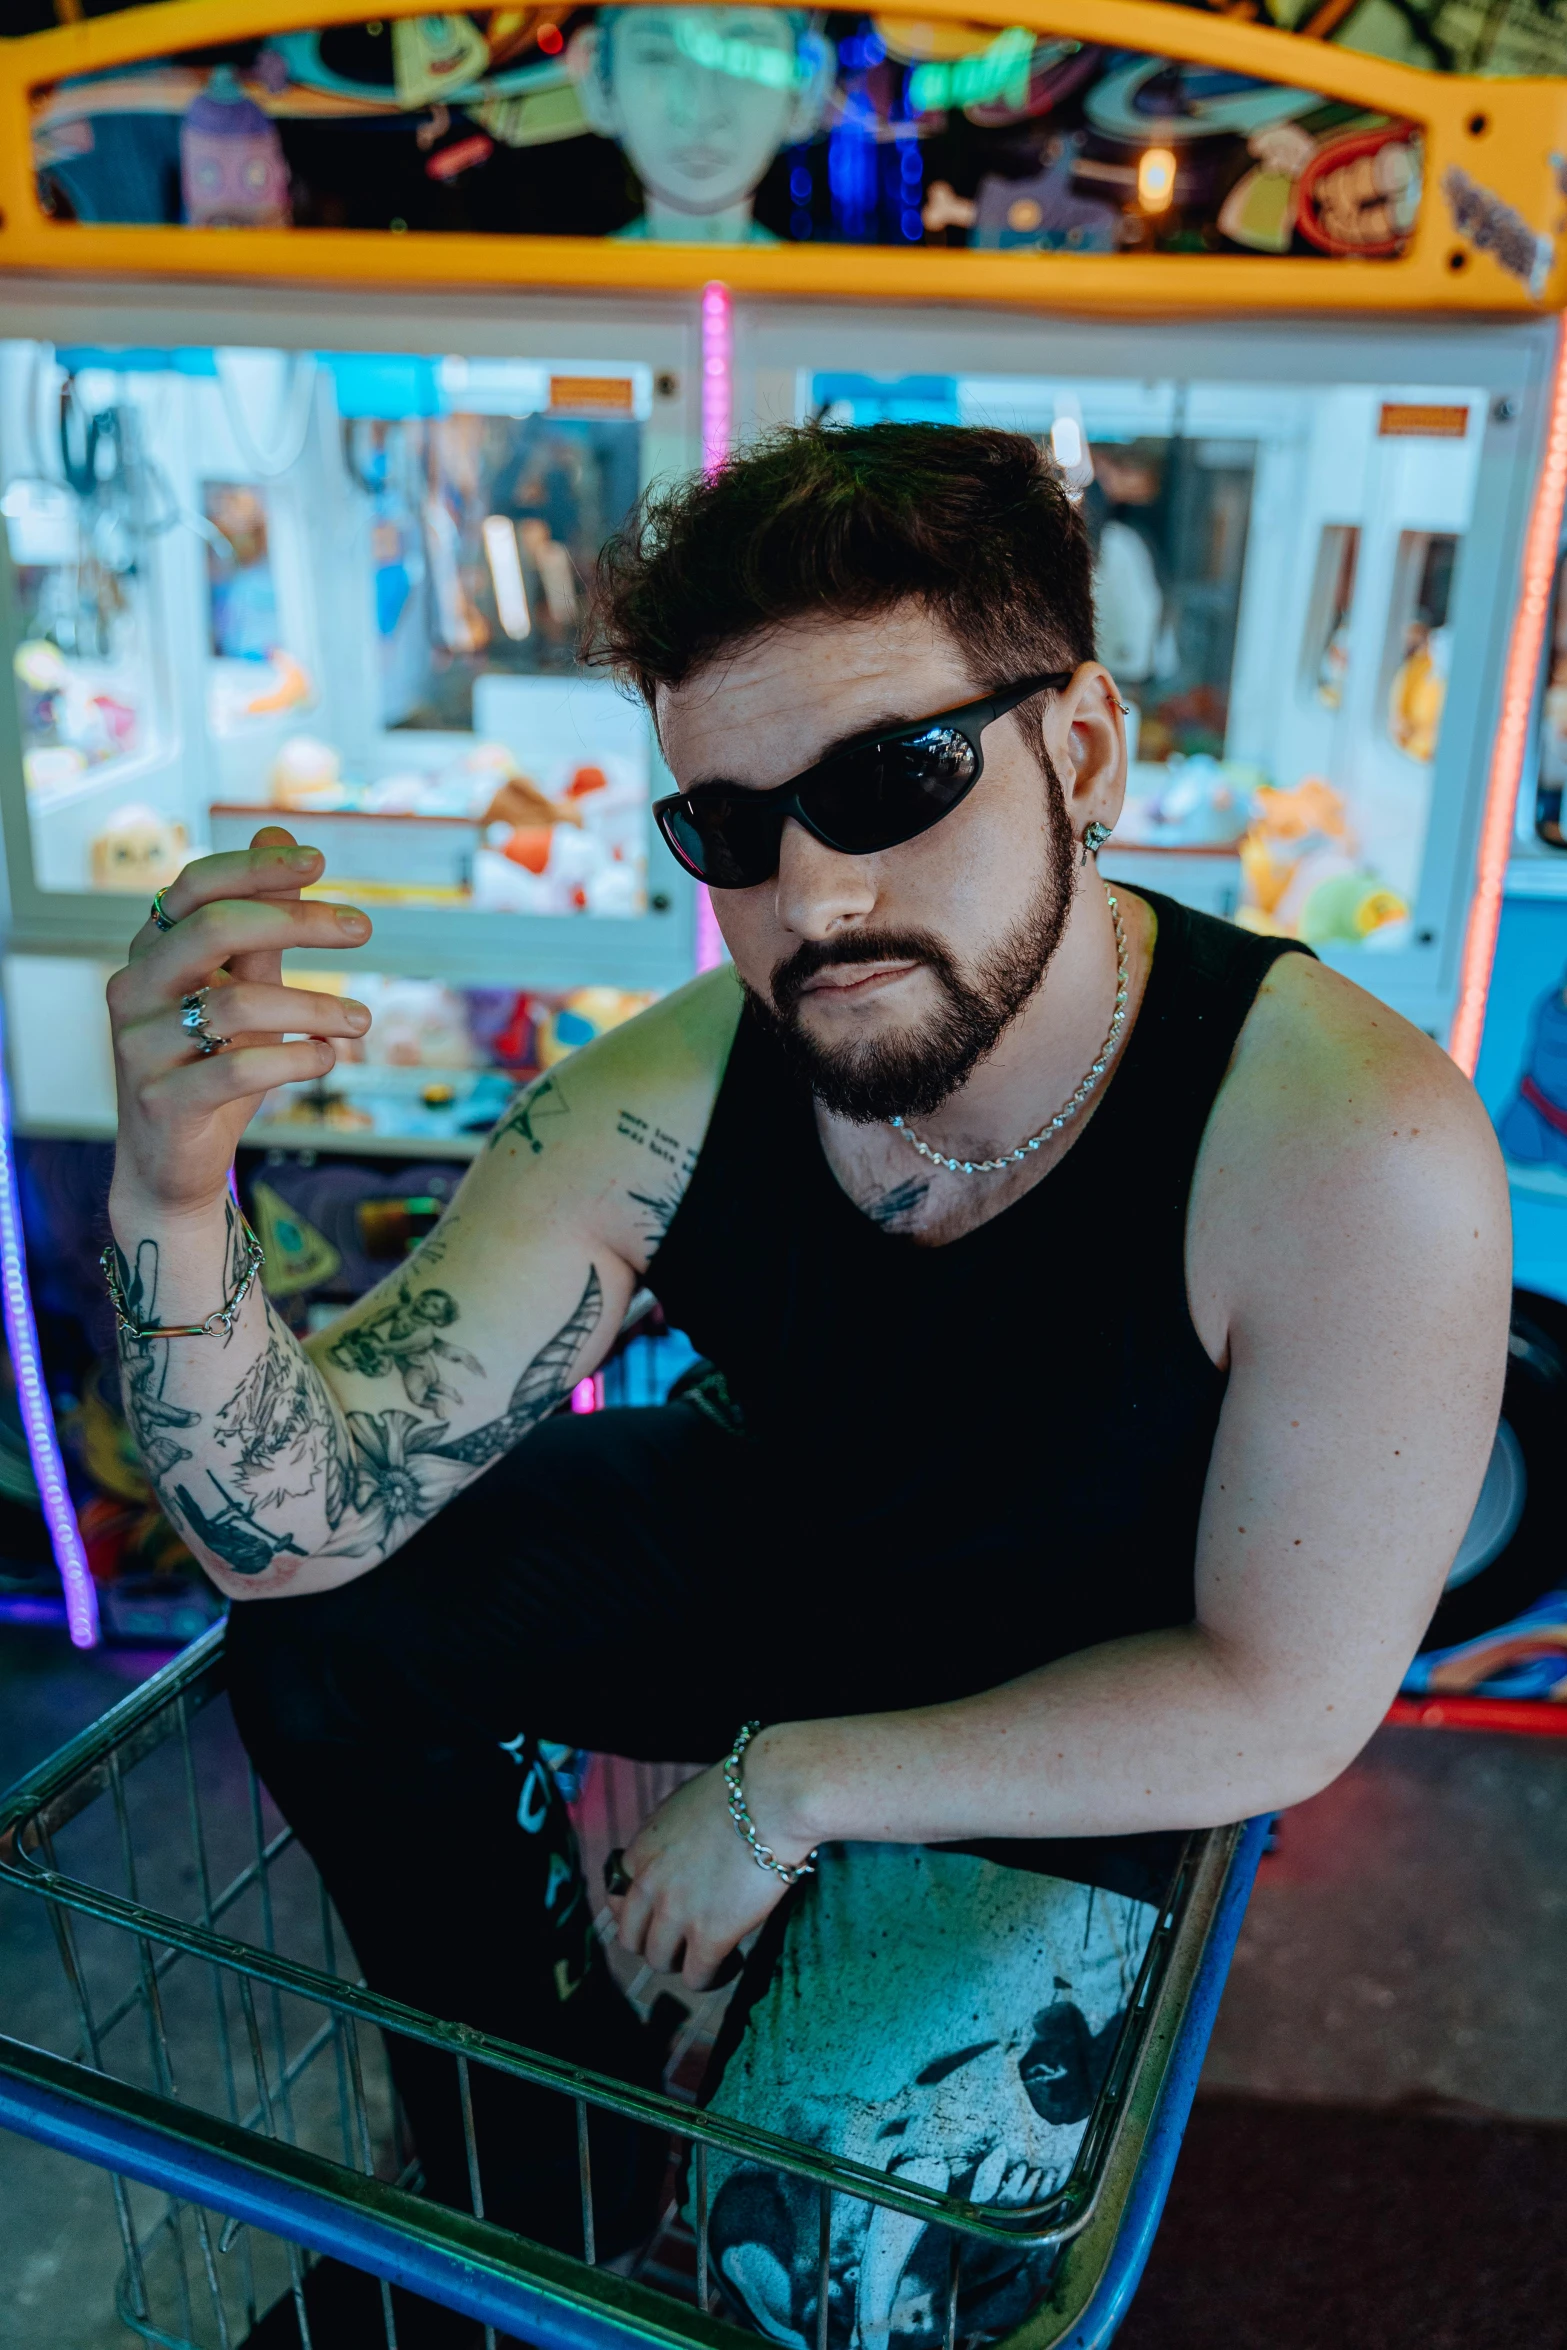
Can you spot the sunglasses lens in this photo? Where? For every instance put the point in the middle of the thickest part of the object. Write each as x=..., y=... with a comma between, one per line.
x=723, y=837
x=890, y=792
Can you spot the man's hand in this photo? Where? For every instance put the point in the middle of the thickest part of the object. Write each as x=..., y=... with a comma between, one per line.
x=696, y=1889
x=181, y=1112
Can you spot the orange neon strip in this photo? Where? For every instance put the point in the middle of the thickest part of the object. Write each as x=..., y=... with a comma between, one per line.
x=1539, y=1717
x=1512, y=733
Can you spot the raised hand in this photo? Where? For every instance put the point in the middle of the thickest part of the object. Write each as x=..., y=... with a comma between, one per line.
x=182, y=1110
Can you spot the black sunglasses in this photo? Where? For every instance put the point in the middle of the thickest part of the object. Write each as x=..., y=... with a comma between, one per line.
x=875, y=792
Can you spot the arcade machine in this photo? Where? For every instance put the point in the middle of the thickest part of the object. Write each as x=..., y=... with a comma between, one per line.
x=332, y=345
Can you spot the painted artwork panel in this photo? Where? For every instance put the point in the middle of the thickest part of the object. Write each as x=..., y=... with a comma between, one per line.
x=726, y=126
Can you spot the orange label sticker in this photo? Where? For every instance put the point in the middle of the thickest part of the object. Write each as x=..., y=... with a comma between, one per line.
x=597, y=395
x=1422, y=419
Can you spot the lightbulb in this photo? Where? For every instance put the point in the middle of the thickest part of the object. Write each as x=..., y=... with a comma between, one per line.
x=1066, y=443
x=1155, y=179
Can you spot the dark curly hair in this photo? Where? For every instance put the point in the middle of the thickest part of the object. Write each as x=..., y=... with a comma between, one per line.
x=975, y=524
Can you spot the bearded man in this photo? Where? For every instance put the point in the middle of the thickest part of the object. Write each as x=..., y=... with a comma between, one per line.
x=1107, y=1308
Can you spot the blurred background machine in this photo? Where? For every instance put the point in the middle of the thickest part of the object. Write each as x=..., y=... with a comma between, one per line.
x=333, y=346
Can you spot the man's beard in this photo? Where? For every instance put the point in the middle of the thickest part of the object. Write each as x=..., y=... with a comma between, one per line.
x=912, y=1074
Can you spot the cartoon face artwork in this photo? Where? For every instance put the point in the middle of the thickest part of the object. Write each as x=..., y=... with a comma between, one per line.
x=232, y=171
x=701, y=100
x=944, y=2019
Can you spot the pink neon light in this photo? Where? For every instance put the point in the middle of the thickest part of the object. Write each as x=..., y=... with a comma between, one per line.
x=717, y=374
x=588, y=1394
x=710, y=947
x=32, y=1395
x=717, y=432
x=1512, y=733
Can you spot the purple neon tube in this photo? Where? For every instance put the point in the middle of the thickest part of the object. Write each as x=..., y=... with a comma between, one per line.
x=32, y=1393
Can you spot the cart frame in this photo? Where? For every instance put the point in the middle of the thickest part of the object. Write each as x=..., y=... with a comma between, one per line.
x=246, y=2168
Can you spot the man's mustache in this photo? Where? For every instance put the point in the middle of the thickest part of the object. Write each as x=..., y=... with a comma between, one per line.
x=790, y=978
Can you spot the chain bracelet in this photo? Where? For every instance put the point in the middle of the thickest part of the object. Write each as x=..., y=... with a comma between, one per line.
x=221, y=1319
x=763, y=1854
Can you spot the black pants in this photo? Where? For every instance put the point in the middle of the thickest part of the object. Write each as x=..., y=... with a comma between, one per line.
x=613, y=1585
x=637, y=1583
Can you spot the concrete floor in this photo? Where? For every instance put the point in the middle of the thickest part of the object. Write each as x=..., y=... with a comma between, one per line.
x=1405, y=1947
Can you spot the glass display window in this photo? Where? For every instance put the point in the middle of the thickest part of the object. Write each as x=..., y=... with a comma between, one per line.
x=1326, y=643
x=1417, y=656
x=1274, y=573
x=84, y=503
x=1551, y=755
x=340, y=590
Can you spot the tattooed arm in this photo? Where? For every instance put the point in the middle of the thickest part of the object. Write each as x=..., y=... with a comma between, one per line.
x=291, y=1469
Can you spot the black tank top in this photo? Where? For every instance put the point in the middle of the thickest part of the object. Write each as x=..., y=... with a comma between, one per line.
x=975, y=1457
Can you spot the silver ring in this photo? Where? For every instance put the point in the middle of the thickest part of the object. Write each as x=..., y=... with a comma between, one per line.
x=164, y=921
x=193, y=1019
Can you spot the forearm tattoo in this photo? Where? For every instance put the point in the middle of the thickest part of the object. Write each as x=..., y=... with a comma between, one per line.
x=404, y=1337
x=290, y=1458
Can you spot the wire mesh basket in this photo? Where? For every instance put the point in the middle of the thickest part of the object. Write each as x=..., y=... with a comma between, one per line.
x=226, y=2066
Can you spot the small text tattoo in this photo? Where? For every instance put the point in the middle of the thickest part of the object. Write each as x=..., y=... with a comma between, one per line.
x=671, y=1169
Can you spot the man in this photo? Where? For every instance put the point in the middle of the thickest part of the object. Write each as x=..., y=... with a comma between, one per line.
x=1111, y=1306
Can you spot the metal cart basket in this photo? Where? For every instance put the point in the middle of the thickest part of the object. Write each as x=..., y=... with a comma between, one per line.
x=218, y=2058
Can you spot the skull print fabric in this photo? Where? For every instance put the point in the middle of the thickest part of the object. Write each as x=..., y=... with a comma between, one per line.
x=936, y=2016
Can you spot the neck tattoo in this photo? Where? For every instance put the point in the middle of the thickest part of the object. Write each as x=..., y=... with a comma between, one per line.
x=1074, y=1101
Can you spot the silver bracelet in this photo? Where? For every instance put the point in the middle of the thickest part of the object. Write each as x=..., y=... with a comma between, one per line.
x=763, y=1854
x=221, y=1319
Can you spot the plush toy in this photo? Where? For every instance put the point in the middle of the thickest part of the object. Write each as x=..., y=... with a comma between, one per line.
x=1302, y=874
x=1533, y=1129
x=416, y=1024
x=583, y=1015
x=306, y=773
x=289, y=684
x=1418, y=692
x=138, y=850
x=1290, y=831
x=1350, y=909
x=519, y=801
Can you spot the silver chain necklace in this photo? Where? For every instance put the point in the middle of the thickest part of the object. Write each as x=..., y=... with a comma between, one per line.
x=1074, y=1101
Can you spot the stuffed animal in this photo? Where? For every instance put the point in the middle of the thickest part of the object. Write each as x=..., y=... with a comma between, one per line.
x=586, y=1013
x=306, y=773
x=138, y=850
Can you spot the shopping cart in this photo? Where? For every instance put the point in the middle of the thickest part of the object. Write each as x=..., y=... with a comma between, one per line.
x=219, y=2058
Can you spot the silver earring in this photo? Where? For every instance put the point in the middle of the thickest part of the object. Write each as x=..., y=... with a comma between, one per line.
x=1094, y=837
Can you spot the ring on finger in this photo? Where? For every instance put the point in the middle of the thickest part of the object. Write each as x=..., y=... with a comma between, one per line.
x=617, y=1877
x=164, y=921
x=193, y=1019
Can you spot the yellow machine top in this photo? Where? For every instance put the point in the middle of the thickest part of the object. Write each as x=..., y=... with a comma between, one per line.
x=1086, y=155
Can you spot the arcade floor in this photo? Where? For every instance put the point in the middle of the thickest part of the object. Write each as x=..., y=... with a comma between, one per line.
x=1379, y=2157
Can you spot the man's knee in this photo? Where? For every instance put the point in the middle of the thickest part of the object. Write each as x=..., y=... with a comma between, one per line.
x=296, y=1667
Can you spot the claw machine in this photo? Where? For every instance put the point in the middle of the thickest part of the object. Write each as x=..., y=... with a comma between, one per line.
x=333, y=343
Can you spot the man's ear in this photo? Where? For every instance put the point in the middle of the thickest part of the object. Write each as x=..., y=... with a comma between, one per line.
x=1095, y=780
x=585, y=60
x=816, y=59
